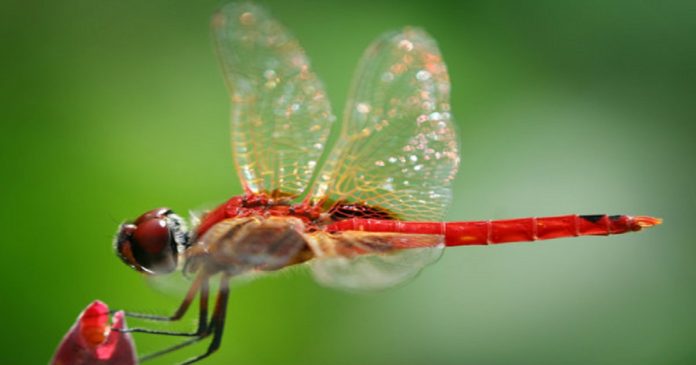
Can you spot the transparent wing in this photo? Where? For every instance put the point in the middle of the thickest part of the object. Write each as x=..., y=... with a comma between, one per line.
x=174, y=284
x=177, y=284
x=359, y=261
x=281, y=115
x=398, y=148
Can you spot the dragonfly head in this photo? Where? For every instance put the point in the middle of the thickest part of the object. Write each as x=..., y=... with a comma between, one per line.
x=152, y=243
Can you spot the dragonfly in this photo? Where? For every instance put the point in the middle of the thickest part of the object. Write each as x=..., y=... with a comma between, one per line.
x=366, y=214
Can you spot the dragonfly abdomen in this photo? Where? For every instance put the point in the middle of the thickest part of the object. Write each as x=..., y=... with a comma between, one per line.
x=542, y=228
x=507, y=230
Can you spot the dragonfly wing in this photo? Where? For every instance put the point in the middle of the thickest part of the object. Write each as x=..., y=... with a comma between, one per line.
x=397, y=149
x=174, y=284
x=359, y=261
x=281, y=115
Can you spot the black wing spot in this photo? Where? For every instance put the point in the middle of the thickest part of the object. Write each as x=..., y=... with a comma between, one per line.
x=343, y=210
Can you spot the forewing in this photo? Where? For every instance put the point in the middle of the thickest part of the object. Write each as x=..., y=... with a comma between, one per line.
x=397, y=149
x=175, y=284
x=281, y=115
x=359, y=261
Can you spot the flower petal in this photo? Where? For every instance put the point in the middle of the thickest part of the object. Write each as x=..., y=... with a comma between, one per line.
x=91, y=341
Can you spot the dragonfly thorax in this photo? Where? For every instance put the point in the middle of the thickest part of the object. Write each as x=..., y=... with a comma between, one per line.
x=238, y=245
x=260, y=206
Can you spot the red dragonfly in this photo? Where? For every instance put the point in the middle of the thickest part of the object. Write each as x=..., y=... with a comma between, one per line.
x=369, y=216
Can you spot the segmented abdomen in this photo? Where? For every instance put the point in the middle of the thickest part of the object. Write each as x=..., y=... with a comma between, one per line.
x=508, y=230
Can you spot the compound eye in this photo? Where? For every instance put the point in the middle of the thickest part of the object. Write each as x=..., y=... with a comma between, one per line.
x=155, y=213
x=149, y=245
x=124, y=246
x=152, y=236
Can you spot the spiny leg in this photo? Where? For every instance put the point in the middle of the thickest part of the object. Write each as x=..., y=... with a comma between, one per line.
x=204, y=329
x=203, y=307
x=188, y=299
x=177, y=346
x=217, y=321
x=203, y=287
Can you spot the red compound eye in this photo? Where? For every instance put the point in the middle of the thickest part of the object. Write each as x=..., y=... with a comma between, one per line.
x=152, y=236
x=149, y=244
x=155, y=213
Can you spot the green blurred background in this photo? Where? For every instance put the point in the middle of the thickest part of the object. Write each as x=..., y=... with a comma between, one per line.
x=110, y=108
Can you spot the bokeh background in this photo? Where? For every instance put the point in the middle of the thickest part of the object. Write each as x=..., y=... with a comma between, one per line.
x=110, y=108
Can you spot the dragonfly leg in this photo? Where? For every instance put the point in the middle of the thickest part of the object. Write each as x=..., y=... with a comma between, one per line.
x=217, y=321
x=188, y=299
x=202, y=314
x=204, y=329
x=175, y=347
